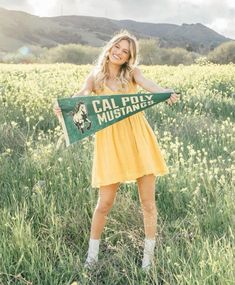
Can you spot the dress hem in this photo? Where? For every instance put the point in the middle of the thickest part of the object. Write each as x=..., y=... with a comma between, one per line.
x=131, y=180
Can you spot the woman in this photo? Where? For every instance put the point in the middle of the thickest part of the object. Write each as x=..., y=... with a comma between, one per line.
x=126, y=151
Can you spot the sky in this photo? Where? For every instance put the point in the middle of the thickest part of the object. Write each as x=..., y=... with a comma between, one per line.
x=218, y=15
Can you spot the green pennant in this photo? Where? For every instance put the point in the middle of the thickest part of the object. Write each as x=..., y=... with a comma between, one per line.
x=85, y=115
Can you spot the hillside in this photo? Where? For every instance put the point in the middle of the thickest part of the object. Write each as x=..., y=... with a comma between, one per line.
x=18, y=29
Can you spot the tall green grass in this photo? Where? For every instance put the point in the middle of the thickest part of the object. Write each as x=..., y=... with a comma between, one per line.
x=47, y=201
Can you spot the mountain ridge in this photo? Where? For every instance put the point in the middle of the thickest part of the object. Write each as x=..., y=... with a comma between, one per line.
x=18, y=28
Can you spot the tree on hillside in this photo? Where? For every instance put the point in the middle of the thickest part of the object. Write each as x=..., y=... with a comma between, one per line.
x=176, y=56
x=149, y=51
x=189, y=47
x=224, y=53
x=72, y=53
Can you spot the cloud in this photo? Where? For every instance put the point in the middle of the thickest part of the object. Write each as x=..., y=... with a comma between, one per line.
x=224, y=26
x=177, y=11
x=22, y=5
x=12, y=2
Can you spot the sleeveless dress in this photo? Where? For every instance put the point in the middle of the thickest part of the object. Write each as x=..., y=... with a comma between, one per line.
x=126, y=150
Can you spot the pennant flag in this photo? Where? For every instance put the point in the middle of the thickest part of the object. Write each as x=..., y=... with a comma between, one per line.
x=85, y=115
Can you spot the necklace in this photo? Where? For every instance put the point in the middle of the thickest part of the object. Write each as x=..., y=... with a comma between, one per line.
x=112, y=78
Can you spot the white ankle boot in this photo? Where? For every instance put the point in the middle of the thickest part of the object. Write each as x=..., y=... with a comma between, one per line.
x=149, y=245
x=92, y=256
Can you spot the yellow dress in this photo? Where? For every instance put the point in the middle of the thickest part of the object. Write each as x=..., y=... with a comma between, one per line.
x=126, y=150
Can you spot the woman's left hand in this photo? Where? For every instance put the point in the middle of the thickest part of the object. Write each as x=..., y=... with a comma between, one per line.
x=173, y=98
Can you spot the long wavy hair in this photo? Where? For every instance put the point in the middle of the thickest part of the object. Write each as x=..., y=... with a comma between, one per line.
x=124, y=76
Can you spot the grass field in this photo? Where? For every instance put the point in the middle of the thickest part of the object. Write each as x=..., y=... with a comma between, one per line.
x=47, y=201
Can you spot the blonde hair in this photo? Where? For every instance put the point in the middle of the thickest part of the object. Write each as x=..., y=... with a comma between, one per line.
x=101, y=70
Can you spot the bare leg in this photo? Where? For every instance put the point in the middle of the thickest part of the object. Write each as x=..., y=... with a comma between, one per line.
x=107, y=196
x=146, y=187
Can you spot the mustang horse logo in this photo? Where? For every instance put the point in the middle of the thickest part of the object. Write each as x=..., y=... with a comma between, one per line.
x=80, y=117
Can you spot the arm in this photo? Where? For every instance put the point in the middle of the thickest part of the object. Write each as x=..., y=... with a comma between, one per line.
x=87, y=87
x=153, y=87
x=147, y=84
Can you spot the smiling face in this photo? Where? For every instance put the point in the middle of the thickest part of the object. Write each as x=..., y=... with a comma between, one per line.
x=117, y=60
x=120, y=52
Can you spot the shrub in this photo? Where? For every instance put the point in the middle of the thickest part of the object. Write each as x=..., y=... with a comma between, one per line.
x=223, y=54
x=72, y=53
